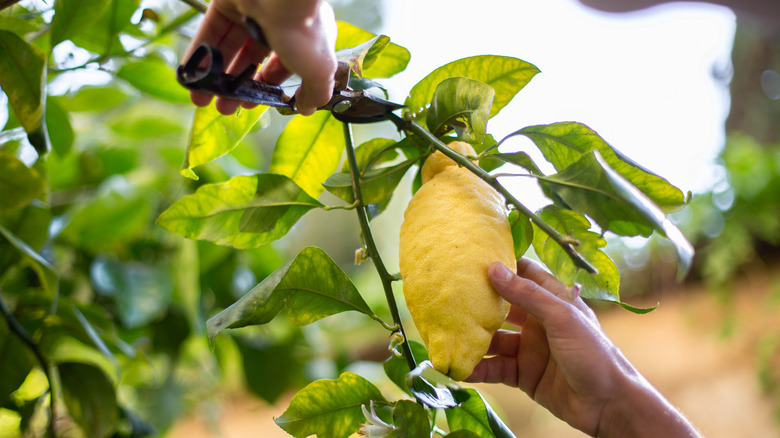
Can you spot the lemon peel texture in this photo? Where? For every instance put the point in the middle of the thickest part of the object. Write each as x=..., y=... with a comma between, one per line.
x=454, y=228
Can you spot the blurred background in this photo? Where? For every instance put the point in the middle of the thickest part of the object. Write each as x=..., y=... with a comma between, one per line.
x=688, y=90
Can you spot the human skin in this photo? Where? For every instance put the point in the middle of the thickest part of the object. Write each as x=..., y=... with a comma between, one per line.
x=564, y=361
x=301, y=33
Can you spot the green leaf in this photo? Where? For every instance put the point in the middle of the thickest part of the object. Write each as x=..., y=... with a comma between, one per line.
x=522, y=233
x=309, y=150
x=244, y=212
x=187, y=294
x=102, y=36
x=605, y=284
x=364, y=54
x=73, y=16
x=311, y=286
x=147, y=126
x=19, y=25
x=433, y=388
x=70, y=310
x=19, y=184
x=488, y=162
x=45, y=271
x=562, y=144
x=90, y=398
x=62, y=347
x=462, y=434
x=93, y=99
x=23, y=79
x=396, y=367
x=504, y=74
x=153, y=77
x=17, y=362
x=376, y=185
x=462, y=104
x=214, y=135
x=476, y=415
x=393, y=59
x=521, y=159
x=109, y=221
x=410, y=421
x=142, y=291
x=592, y=187
x=373, y=153
x=270, y=368
x=30, y=225
x=329, y=408
x=58, y=125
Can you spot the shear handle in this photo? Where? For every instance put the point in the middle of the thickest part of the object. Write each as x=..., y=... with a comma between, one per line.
x=210, y=79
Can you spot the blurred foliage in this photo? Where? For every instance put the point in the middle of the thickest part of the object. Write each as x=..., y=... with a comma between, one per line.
x=126, y=325
x=738, y=223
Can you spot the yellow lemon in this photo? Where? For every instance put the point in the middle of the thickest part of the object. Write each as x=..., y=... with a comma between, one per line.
x=454, y=228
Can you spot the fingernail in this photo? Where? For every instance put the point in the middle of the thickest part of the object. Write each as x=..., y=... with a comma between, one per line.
x=501, y=273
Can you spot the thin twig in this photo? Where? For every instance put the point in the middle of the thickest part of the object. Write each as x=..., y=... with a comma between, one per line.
x=15, y=327
x=565, y=242
x=373, y=253
x=7, y=3
x=198, y=5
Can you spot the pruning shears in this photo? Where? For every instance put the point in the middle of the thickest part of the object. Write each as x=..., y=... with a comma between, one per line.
x=346, y=104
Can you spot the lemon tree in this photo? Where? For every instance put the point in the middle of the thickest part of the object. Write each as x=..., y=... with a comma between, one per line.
x=138, y=266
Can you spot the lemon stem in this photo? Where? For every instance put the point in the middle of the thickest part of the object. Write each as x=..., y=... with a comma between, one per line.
x=368, y=241
x=565, y=242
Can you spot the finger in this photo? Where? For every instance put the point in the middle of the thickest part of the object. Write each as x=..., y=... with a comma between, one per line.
x=525, y=293
x=308, y=51
x=517, y=316
x=504, y=343
x=535, y=272
x=497, y=369
x=273, y=71
x=251, y=52
x=200, y=99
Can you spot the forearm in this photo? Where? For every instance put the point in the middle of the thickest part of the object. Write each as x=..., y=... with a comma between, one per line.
x=639, y=410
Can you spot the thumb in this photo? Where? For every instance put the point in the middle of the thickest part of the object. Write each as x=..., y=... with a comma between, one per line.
x=526, y=294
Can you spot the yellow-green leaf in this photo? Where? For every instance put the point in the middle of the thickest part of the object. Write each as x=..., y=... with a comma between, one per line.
x=505, y=74
x=23, y=79
x=244, y=212
x=309, y=150
x=329, y=408
x=213, y=135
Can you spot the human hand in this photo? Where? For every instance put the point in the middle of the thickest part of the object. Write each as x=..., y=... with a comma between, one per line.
x=565, y=362
x=301, y=33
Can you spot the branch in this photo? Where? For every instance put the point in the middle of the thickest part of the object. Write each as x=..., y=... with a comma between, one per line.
x=7, y=3
x=198, y=5
x=16, y=328
x=373, y=253
x=565, y=242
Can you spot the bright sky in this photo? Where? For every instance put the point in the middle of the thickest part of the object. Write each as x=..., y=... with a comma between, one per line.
x=643, y=80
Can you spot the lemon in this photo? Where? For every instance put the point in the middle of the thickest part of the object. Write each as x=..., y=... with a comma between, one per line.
x=454, y=228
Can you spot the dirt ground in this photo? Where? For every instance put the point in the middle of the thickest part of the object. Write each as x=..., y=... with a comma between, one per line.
x=704, y=365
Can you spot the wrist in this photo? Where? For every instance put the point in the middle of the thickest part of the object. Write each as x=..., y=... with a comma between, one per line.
x=639, y=410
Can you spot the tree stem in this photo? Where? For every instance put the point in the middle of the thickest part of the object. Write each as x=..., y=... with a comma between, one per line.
x=198, y=5
x=564, y=242
x=373, y=253
x=16, y=328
